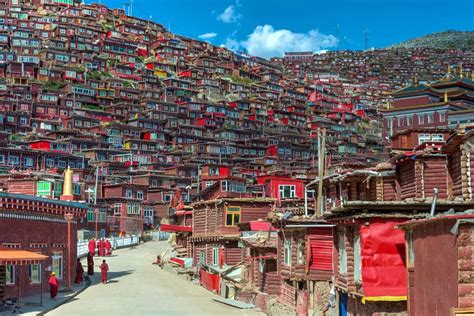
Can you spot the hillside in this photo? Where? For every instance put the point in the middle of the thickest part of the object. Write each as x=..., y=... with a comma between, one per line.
x=443, y=40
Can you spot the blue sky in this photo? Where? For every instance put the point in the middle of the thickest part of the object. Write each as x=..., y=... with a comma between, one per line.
x=268, y=28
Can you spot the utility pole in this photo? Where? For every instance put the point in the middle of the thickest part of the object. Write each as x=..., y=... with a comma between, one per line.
x=321, y=164
x=366, y=38
x=96, y=183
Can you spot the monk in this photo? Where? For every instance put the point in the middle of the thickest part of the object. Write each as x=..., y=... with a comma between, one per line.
x=91, y=246
x=53, y=285
x=103, y=270
x=108, y=248
x=79, y=272
x=90, y=264
x=102, y=247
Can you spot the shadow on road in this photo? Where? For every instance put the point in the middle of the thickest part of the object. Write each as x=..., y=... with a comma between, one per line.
x=118, y=274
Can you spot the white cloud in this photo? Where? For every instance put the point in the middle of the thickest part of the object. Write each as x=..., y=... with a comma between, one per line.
x=229, y=15
x=267, y=42
x=207, y=36
x=231, y=43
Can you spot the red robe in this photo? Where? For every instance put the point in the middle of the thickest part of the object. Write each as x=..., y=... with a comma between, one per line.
x=108, y=248
x=103, y=270
x=101, y=248
x=53, y=286
x=91, y=246
x=90, y=264
x=79, y=273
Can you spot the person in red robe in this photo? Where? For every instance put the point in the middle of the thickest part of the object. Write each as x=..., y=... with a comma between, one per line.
x=53, y=285
x=90, y=264
x=91, y=246
x=108, y=248
x=102, y=247
x=103, y=270
x=79, y=272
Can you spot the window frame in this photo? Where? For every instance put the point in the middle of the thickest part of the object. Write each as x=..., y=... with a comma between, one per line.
x=30, y=273
x=292, y=192
x=215, y=255
x=287, y=252
x=54, y=256
x=10, y=274
x=342, y=253
x=234, y=212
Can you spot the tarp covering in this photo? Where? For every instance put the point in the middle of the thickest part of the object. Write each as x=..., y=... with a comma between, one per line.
x=384, y=274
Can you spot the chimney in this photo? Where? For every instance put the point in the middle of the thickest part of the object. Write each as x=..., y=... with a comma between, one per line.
x=67, y=185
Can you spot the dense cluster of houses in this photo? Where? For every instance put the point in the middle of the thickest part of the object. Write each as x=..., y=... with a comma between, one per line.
x=124, y=126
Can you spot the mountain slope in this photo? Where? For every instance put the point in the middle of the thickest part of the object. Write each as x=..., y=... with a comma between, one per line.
x=443, y=40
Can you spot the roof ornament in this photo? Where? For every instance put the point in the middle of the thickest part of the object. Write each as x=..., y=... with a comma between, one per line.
x=460, y=71
x=449, y=69
x=446, y=97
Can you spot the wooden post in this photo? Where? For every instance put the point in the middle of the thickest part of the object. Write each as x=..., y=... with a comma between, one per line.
x=321, y=167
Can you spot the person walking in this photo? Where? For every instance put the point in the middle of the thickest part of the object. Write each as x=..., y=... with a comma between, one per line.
x=90, y=264
x=103, y=270
x=53, y=285
x=102, y=247
x=108, y=248
x=79, y=272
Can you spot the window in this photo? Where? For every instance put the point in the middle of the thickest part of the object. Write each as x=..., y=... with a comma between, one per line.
x=2, y=159
x=43, y=188
x=422, y=138
x=35, y=273
x=102, y=216
x=357, y=260
x=90, y=216
x=215, y=256
x=128, y=193
x=28, y=161
x=133, y=208
x=117, y=208
x=437, y=137
x=224, y=186
x=50, y=162
x=232, y=215
x=23, y=121
x=410, y=120
x=430, y=118
x=140, y=195
x=287, y=191
x=300, y=253
x=13, y=160
x=10, y=274
x=76, y=189
x=442, y=117
x=421, y=119
x=57, y=259
x=342, y=254
x=202, y=257
x=287, y=253
x=209, y=183
x=167, y=197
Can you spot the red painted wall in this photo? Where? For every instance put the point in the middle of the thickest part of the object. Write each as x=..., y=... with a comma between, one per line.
x=28, y=231
x=272, y=185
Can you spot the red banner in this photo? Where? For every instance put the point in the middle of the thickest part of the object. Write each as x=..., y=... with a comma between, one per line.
x=384, y=272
